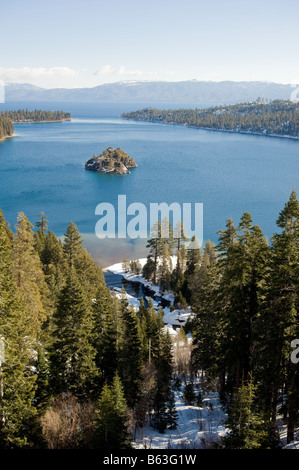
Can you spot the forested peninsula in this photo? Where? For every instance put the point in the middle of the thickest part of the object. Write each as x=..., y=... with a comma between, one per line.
x=8, y=118
x=6, y=127
x=275, y=118
x=24, y=115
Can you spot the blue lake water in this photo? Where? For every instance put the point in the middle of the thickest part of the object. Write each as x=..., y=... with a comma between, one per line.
x=42, y=169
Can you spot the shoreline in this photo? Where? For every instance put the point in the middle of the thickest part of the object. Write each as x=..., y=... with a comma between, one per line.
x=176, y=318
x=232, y=131
x=40, y=122
x=8, y=137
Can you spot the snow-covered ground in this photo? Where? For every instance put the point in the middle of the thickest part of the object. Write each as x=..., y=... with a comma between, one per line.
x=198, y=426
x=177, y=317
x=283, y=436
x=135, y=303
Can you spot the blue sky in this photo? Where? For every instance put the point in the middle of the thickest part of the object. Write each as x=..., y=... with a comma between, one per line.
x=72, y=43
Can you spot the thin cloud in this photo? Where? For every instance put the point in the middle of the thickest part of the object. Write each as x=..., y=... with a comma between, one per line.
x=31, y=73
x=108, y=70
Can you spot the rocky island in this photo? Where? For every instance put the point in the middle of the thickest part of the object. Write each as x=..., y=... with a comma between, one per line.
x=111, y=161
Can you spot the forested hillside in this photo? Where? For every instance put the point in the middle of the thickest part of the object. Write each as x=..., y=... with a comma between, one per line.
x=24, y=115
x=6, y=127
x=7, y=118
x=275, y=118
x=74, y=354
x=82, y=369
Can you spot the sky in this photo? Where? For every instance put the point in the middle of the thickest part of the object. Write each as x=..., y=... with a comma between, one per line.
x=76, y=43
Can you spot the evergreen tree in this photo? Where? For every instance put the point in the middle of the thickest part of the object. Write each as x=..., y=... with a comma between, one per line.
x=42, y=394
x=193, y=263
x=29, y=276
x=131, y=355
x=247, y=429
x=207, y=326
x=242, y=262
x=89, y=274
x=164, y=269
x=73, y=356
x=279, y=322
x=155, y=245
x=112, y=418
x=42, y=224
x=163, y=363
x=172, y=414
x=105, y=334
x=17, y=382
x=73, y=243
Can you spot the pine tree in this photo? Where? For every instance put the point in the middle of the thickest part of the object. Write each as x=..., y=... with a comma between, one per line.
x=279, y=322
x=243, y=254
x=73, y=242
x=42, y=394
x=89, y=274
x=73, y=356
x=193, y=263
x=163, y=363
x=131, y=356
x=164, y=269
x=42, y=224
x=29, y=276
x=17, y=382
x=155, y=245
x=105, y=335
x=172, y=414
x=247, y=429
x=112, y=418
x=54, y=262
x=207, y=353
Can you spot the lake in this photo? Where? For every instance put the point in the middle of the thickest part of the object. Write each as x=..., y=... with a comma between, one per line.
x=42, y=169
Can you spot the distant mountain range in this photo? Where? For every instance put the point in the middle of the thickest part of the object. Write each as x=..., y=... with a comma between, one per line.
x=187, y=92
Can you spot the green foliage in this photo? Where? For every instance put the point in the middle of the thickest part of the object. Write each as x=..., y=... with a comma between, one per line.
x=105, y=335
x=17, y=382
x=112, y=418
x=73, y=366
x=131, y=355
x=6, y=127
x=67, y=335
x=245, y=300
x=277, y=117
x=247, y=428
x=111, y=161
x=24, y=115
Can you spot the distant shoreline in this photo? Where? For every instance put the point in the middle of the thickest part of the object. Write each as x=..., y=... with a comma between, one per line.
x=40, y=122
x=214, y=129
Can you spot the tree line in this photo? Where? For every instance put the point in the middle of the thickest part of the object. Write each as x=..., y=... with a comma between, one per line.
x=244, y=294
x=6, y=127
x=7, y=118
x=81, y=368
x=245, y=298
x=277, y=117
x=38, y=115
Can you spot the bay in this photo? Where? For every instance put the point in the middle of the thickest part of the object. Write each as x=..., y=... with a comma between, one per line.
x=42, y=169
